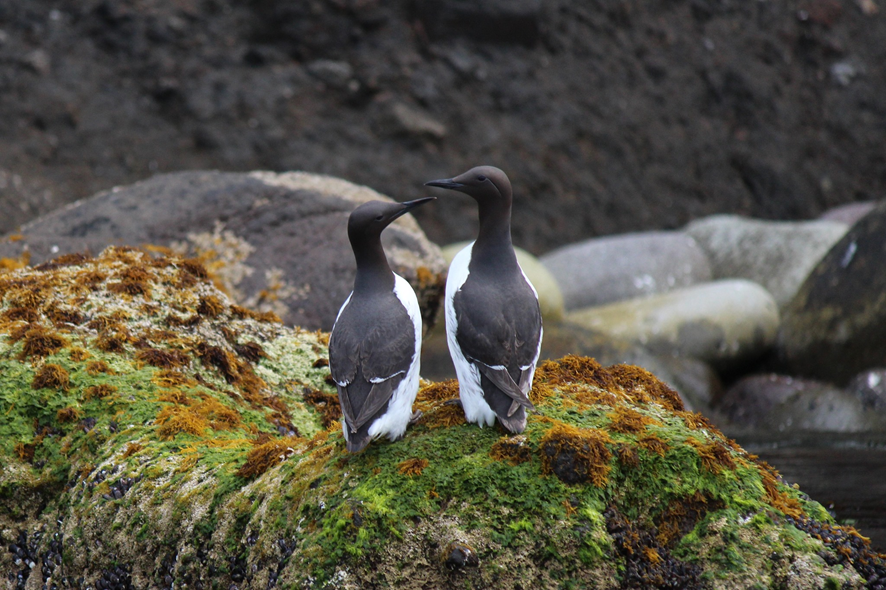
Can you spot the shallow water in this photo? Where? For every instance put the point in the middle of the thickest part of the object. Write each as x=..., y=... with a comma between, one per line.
x=846, y=474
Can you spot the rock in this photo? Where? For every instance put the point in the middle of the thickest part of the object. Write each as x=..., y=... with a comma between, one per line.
x=550, y=298
x=216, y=456
x=848, y=214
x=869, y=387
x=335, y=73
x=503, y=21
x=724, y=323
x=397, y=118
x=276, y=242
x=777, y=255
x=615, y=268
x=835, y=327
x=777, y=403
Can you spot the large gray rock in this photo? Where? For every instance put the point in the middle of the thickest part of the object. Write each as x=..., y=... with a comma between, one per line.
x=835, y=327
x=723, y=323
x=778, y=403
x=614, y=268
x=275, y=242
x=777, y=255
x=870, y=388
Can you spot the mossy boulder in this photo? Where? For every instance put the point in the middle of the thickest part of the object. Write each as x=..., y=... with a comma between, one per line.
x=155, y=435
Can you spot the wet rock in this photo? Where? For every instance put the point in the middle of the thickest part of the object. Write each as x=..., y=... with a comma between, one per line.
x=777, y=255
x=277, y=242
x=850, y=213
x=724, y=323
x=503, y=21
x=870, y=388
x=835, y=326
x=550, y=297
x=610, y=269
x=784, y=404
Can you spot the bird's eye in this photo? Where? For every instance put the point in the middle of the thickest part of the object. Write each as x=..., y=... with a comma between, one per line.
x=379, y=217
x=481, y=178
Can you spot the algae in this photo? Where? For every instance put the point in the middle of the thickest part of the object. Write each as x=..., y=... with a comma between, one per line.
x=177, y=440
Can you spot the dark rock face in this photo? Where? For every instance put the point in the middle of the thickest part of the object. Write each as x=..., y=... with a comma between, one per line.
x=835, y=327
x=609, y=116
x=278, y=242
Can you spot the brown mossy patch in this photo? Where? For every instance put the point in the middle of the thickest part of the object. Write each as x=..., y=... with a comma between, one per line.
x=95, y=368
x=72, y=259
x=175, y=420
x=569, y=369
x=412, y=466
x=576, y=455
x=511, y=449
x=265, y=455
x=194, y=267
x=171, y=378
x=644, y=387
x=163, y=359
x=438, y=404
x=78, y=355
x=776, y=496
x=68, y=414
x=174, y=321
x=210, y=306
x=39, y=342
x=438, y=392
x=114, y=342
x=131, y=449
x=20, y=314
x=627, y=455
x=654, y=444
x=681, y=516
x=223, y=360
x=245, y=313
x=99, y=391
x=51, y=376
x=61, y=316
x=326, y=404
x=714, y=456
x=629, y=421
x=175, y=396
x=443, y=416
x=251, y=351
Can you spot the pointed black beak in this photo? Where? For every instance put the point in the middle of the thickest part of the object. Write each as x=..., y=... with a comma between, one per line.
x=445, y=183
x=409, y=205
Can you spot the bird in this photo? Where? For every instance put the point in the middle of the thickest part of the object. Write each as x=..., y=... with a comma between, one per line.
x=375, y=342
x=493, y=320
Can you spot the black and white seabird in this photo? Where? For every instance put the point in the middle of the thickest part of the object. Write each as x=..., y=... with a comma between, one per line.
x=376, y=339
x=493, y=321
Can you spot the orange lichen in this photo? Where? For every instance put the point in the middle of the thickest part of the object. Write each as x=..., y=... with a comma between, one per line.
x=131, y=449
x=644, y=387
x=163, y=359
x=175, y=396
x=170, y=378
x=322, y=337
x=629, y=421
x=98, y=391
x=576, y=455
x=96, y=367
x=715, y=457
x=68, y=415
x=264, y=456
x=443, y=416
x=194, y=267
x=574, y=369
x=513, y=450
x=210, y=306
x=267, y=316
x=413, y=466
x=51, y=376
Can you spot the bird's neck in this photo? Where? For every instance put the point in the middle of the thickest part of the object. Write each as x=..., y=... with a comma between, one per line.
x=373, y=272
x=493, y=245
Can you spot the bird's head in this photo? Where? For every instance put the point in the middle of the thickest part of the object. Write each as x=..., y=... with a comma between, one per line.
x=369, y=219
x=483, y=183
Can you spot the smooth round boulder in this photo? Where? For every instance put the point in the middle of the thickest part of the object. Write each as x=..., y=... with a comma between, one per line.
x=778, y=255
x=779, y=403
x=724, y=323
x=550, y=297
x=835, y=327
x=604, y=270
x=275, y=242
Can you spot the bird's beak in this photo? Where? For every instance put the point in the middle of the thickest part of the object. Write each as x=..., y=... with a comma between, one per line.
x=409, y=205
x=446, y=183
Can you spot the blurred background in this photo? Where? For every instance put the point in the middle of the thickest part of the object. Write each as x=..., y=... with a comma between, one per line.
x=609, y=116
